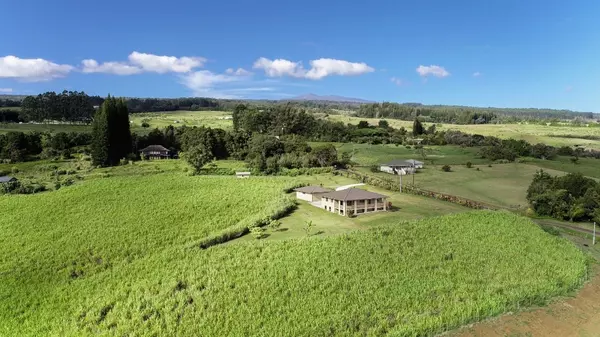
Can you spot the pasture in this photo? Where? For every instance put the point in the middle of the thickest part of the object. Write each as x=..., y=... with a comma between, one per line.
x=501, y=185
x=532, y=133
x=405, y=278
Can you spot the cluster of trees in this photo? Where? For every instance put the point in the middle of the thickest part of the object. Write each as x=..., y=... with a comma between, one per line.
x=19, y=146
x=571, y=197
x=68, y=106
x=464, y=115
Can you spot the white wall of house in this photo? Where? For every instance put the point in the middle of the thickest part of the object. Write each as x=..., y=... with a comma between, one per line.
x=304, y=196
x=399, y=170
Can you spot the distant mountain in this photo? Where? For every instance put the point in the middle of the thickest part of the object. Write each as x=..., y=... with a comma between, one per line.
x=328, y=98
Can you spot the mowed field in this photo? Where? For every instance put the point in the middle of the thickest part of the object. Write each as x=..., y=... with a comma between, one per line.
x=501, y=185
x=215, y=119
x=532, y=133
x=117, y=255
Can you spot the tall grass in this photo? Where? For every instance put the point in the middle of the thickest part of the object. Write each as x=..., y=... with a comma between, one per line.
x=407, y=279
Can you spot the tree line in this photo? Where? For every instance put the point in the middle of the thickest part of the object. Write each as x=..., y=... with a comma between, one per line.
x=464, y=115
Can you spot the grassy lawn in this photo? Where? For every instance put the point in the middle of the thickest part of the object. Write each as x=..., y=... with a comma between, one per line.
x=213, y=119
x=502, y=185
x=367, y=154
x=587, y=166
x=532, y=133
x=406, y=207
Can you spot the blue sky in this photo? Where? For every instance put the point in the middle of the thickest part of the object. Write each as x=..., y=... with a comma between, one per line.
x=502, y=53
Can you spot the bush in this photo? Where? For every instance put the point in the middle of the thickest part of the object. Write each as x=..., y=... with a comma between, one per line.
x=145, y=125
x=374, y=168
x=257, y=232
x=446, y=168
x=469, y=164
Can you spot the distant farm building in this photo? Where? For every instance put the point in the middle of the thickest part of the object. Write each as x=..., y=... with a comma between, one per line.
x=7, y=179
x=156, y=152
x=401, y=167
x=242, y=175
x=353, y=201
x=311, y=193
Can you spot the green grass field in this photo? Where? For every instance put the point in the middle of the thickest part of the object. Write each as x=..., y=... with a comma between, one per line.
x=367, y=154
x=502, y=185
x=407, y=278
x=533, y=133
x=159, y=120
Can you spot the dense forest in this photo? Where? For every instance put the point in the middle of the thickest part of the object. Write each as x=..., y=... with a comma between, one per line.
x=73, y=106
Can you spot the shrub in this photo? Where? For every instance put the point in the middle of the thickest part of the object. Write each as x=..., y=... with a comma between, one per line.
x=274, y=225
x=478, y=169
x=446, y=168
x=374, y=168
x=257, y=232
x=145, y=125
x=469, y=164
x=14, y=170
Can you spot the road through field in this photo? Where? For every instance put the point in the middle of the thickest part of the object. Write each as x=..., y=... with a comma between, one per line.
x=578, y=316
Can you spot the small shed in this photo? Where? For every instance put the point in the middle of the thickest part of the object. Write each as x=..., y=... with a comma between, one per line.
x=156, y=152
x=242, y=175
x=7, y=179
x=310, y=193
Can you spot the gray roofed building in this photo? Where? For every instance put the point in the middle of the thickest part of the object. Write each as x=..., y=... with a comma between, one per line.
x=310, y=193
x=353, y=201
x=156, y=152
x=312, y=189
x=7, y=179
x=353, y=194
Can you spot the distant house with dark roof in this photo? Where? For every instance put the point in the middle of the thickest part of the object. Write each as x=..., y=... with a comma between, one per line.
x=155, y=152
x=7, y=179
x=401, y=167
x=353, y=201
x=311, y=193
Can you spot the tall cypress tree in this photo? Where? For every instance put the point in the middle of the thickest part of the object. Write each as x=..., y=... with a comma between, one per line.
x=111, y=137
x=100, y=136
x=418, y=128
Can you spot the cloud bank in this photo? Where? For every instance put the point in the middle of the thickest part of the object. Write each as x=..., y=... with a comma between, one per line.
x=320, y=68
x=432, y=70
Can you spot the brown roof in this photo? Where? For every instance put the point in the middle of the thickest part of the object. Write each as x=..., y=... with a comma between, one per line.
x=353, y=194
x=312, y=189
x=153, y=148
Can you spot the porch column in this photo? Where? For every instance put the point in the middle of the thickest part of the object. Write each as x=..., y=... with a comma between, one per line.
x=345, y=207
x=375, y=209
x=355, y=201
x=365, y=201
x=384, y=204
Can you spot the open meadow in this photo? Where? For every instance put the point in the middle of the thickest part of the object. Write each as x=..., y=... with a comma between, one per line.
x=587, y=137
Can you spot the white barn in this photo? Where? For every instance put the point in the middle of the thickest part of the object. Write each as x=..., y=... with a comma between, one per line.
x=401, y=167
x=311, y=193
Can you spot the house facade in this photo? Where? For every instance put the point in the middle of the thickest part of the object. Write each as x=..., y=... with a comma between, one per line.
x=354, y=201
x=311, y=193
x=155, y=152
x=243, y=175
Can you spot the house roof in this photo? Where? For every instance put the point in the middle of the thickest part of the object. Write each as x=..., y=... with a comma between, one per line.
x=353, y=194
x=7, y=179
x=154, y=148
x=312, y=189
x=399, y=163
x=416, y=162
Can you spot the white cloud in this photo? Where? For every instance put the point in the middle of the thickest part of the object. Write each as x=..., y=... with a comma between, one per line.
x=141, y=62
x=432, y=70
x=397, y=81
x=476, y=74
x=320, y=68
x=204, y=82
x=325, y=67
x=279, y=67
x=164, y=64
x=31, y=70
x=117, y=68
x=6, y=90
x=238, y=72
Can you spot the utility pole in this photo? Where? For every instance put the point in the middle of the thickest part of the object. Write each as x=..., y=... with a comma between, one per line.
x=413, y=172
x=594, y=238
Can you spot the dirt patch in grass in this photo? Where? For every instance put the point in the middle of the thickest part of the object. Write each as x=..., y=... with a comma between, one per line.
x=578, y=316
